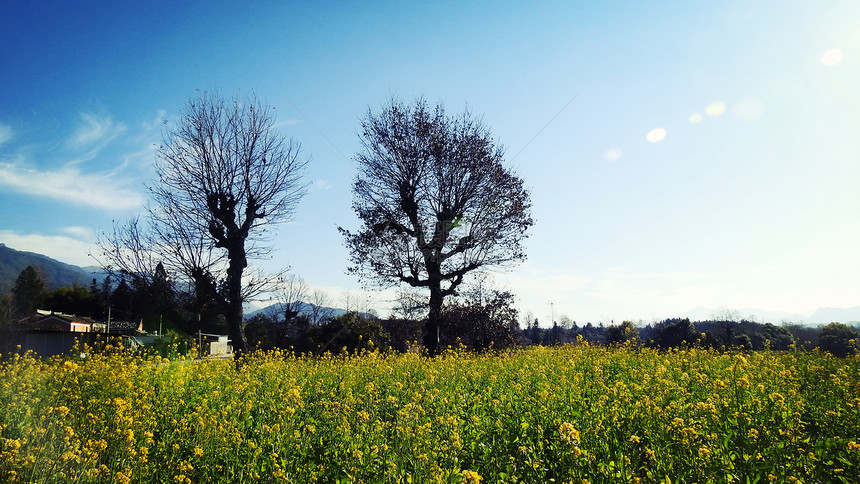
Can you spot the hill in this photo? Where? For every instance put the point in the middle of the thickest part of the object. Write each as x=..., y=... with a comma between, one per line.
x=56, y=273
x=304, y=308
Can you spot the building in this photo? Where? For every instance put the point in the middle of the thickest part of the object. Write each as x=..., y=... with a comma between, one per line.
x=48, y=333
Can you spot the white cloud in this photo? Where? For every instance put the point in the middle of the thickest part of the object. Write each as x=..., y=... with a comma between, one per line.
x=83, y=233
x=102, y=190
x=159, y=120
x=64, y=249
x=322, y=184
x=287, y=122
x=95, y=130
x=6, y=133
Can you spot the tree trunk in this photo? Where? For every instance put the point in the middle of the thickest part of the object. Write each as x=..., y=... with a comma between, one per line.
x=431, y=339
x=235, y=313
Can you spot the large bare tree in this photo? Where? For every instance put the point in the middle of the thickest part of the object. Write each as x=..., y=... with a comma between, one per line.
x=436, y=202
x=224, y=174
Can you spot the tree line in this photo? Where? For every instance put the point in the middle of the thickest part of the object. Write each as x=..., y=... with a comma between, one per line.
x=479, y=319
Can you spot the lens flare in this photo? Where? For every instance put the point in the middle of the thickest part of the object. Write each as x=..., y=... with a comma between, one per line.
x=832, y=57
x=656, y=135
x=613, y=154
x=716, y=108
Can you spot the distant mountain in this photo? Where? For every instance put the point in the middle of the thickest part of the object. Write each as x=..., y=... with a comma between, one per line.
x=56, y=273
x=820, y=316
x=836, y=315
x=304, y=308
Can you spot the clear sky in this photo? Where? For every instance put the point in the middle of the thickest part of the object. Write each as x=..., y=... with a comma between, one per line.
x=680, y=154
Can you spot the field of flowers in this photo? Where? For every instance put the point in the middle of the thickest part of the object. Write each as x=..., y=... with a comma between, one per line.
x=571, y=414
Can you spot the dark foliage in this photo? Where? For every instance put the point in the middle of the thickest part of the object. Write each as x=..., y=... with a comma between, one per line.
x=838, y=339
x=404, y=334
x=621, y=333
x=28, y=293
x=481, y=324
x=675, y=333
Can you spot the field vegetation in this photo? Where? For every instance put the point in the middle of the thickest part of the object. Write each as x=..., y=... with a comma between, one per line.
x=575, y=413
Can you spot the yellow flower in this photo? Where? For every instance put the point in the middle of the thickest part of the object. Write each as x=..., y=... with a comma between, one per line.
x=569, y=433
x=472, y=476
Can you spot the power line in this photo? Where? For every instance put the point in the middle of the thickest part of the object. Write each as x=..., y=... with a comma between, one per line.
x=544, y=127
x=318, y=130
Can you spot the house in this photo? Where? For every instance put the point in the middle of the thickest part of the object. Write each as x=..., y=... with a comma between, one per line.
x=43, y=320
x=49, y=333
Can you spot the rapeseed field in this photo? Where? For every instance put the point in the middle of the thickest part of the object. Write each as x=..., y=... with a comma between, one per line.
x=568, y=414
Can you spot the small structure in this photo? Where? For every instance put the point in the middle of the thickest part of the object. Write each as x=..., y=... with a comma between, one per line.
x=124, y=327
x=214, y=345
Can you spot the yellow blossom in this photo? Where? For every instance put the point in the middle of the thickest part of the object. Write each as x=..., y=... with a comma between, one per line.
x=472, y=477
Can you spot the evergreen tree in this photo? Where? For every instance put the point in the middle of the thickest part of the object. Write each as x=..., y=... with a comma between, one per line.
x=27, y=293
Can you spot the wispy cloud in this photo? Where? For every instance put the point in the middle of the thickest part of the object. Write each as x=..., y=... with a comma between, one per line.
x=6, y=133
x=71, y=250
x=287, y=122
x=322, y=184
x=95, y=131
x=83, y=233
x=159, y=121
x=103, y=190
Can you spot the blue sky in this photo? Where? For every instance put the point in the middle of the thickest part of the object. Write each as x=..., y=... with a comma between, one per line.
x=680, y=155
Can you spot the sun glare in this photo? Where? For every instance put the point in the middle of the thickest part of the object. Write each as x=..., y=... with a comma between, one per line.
x=695, y=118
x=832, y=57
x=716, y=108
x=656, y=135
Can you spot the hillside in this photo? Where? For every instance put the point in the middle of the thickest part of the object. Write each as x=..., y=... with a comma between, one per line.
x=304, y=308
x=56, y=273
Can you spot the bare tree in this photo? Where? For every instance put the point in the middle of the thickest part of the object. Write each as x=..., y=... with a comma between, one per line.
x=348, y=300
x=729, y=320
x=320, y=310
x=436, y=202
x=410, y=304
x=223, y=175
x=290, y=294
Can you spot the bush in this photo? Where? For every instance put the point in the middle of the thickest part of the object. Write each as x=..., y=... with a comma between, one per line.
x=838, y=340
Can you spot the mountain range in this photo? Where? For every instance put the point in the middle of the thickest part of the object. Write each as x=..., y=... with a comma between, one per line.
x=819, y=316
x=59, y=274
x=56, y=273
